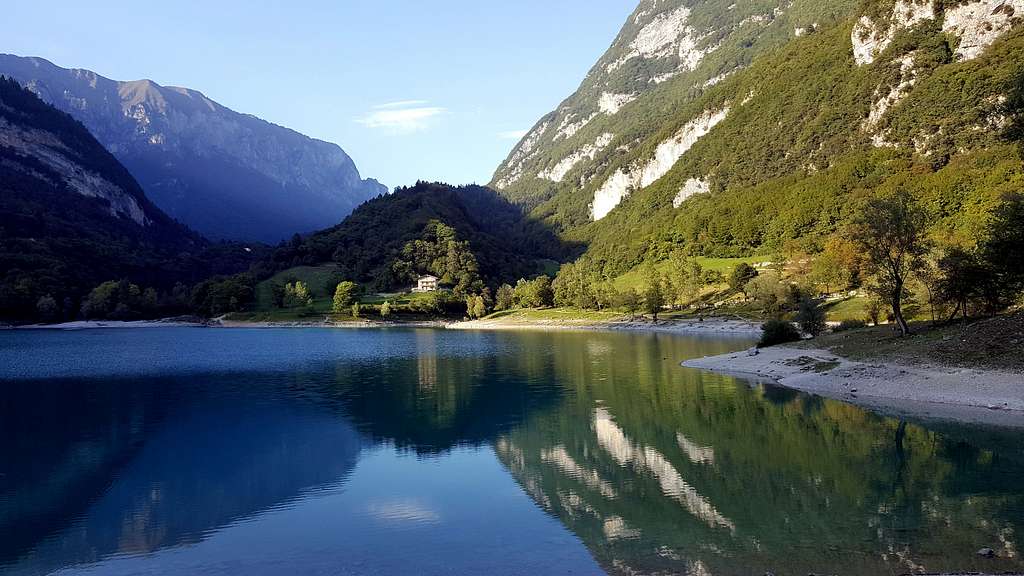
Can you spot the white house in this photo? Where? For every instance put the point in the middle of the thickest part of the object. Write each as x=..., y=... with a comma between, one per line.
x=426, y=284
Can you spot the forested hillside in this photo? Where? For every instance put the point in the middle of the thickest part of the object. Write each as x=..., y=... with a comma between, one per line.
x=668, y=54
x=382, y=233
x=815, y=112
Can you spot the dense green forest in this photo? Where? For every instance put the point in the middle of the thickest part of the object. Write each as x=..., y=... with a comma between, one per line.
x=728, y=37
x=804, y=139
x=810, y=138
x=372, y=246
x=799, y=157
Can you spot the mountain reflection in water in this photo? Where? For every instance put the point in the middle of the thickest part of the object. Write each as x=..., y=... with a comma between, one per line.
x=316, y=451
x=699, y=474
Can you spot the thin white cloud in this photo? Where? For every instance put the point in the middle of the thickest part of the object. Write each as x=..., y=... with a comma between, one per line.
x=403, y=116
x=400, y=104
x=512, y=134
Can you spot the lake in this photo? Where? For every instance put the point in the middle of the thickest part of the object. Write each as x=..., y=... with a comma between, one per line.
x=294, y=451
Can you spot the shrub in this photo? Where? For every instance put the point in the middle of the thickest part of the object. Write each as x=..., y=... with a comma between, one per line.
x=874, y=310
x=850, y=325
x=811, y=317
x=777, y=332
x=740, y=275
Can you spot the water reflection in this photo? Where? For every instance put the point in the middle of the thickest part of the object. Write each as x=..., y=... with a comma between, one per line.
x=647, y=460
x=157, y=470
x=692, y=473
x=436, y=401
x=315, y=451
x=121, y=464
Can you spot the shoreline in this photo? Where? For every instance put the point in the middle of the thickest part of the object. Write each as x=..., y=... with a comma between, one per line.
x=710, y=326
x=891, y=388
x=180, y=322
x=929, y=392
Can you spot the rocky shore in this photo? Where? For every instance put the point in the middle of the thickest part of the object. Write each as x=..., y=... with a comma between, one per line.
x=933, y=392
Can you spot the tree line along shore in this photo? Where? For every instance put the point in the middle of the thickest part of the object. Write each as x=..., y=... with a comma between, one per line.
x=884, y=267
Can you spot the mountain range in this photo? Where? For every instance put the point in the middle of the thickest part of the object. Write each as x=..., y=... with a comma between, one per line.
x=713, y=128
x=71, y=217
x=730, y=128
x=225, y=174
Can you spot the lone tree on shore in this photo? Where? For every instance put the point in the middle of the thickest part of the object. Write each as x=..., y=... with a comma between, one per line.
x=629, y=300
x=654, y=296
x=890, y=231
x=344, y=296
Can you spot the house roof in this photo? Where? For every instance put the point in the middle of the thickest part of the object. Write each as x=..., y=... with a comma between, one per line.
x=428, y=277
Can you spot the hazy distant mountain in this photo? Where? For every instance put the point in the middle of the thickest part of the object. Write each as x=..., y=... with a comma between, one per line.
x=225, y=174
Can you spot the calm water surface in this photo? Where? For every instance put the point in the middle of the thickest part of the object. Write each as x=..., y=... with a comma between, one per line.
x=192, y=451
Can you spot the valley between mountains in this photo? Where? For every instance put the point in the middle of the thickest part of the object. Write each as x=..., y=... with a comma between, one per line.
x=813, y=166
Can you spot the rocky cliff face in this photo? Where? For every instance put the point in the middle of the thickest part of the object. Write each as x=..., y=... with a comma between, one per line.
x=668, y=53
x=228, y=175
x=681, y=73
x=59, y=165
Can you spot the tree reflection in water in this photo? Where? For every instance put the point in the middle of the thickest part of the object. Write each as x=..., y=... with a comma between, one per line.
x=654, y=467
x=677, y=471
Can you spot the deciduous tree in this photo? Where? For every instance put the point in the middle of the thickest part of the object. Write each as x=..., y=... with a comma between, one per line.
x=344, y=295
x=654, y=295
x=504, y=298
x=890, y=230
x=742, y=274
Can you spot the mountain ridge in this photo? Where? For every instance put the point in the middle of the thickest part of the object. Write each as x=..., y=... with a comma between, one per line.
x=225, y=173
x=885, y=90
x=71, y=217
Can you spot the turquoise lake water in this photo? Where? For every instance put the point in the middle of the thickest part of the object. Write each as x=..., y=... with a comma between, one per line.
x=293, y=451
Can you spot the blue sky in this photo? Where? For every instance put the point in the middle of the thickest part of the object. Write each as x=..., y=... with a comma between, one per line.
x=410, y=89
